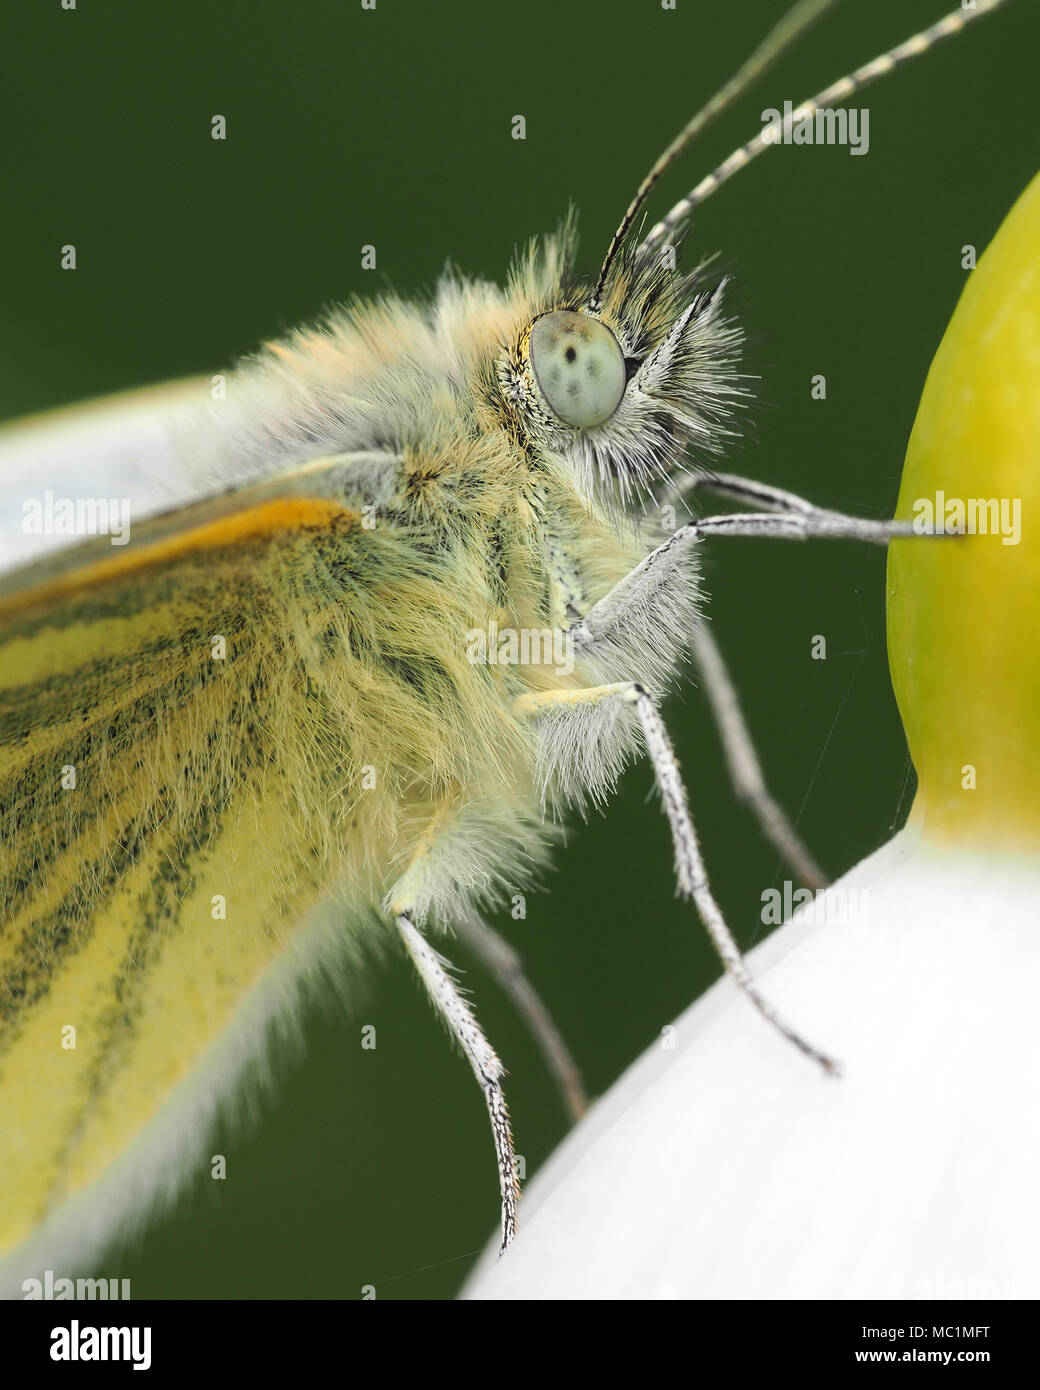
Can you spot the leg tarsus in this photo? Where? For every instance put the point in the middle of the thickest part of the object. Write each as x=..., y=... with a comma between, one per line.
x=776, y=500
x=505, y=965
x=487, y=1068
x=748, y=490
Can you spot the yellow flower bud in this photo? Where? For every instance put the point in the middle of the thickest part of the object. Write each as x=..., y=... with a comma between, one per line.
x=964, y=613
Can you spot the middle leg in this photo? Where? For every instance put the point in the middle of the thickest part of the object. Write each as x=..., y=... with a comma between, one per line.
x=690, y=870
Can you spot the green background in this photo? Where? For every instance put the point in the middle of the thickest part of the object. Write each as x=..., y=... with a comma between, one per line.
x=392, y=127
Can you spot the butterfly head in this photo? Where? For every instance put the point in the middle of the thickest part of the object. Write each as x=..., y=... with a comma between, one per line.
x=629, y=384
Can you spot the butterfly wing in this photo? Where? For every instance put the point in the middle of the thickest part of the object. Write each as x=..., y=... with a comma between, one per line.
x=180, y=738
x=124, y=443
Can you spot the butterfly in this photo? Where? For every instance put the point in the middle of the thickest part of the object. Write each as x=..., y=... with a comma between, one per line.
x=256, y=736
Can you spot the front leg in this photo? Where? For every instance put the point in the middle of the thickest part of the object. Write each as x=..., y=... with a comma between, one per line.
x=762, y=496
x=639, y=625
x=617, y=606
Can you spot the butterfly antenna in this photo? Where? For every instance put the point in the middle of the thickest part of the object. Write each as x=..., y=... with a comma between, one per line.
x=777, y=41
x=837, y=92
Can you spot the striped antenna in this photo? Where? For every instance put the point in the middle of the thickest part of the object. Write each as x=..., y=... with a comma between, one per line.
x=837, y=92
x=776, y=42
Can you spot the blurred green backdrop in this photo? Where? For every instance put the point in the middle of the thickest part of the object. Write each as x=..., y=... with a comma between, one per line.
x=392, y=127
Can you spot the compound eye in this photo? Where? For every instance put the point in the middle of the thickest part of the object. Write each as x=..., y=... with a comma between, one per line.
x=579, y=367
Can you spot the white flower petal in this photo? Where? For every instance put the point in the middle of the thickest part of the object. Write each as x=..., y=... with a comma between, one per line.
x=730, y=1167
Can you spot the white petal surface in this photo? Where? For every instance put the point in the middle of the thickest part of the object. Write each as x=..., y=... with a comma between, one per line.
x=729, y=1167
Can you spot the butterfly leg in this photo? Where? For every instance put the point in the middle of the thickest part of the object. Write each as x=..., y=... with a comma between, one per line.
x=625, y=597
x=692, y=876
x=623, y=604
x=416, y=892
x=434, y=972
x=504, y=964
x=745, y=770
x=748, y=490
x=661, y=592
x=819, y=521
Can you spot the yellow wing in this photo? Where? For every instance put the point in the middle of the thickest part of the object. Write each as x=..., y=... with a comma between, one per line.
x=180, y=786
